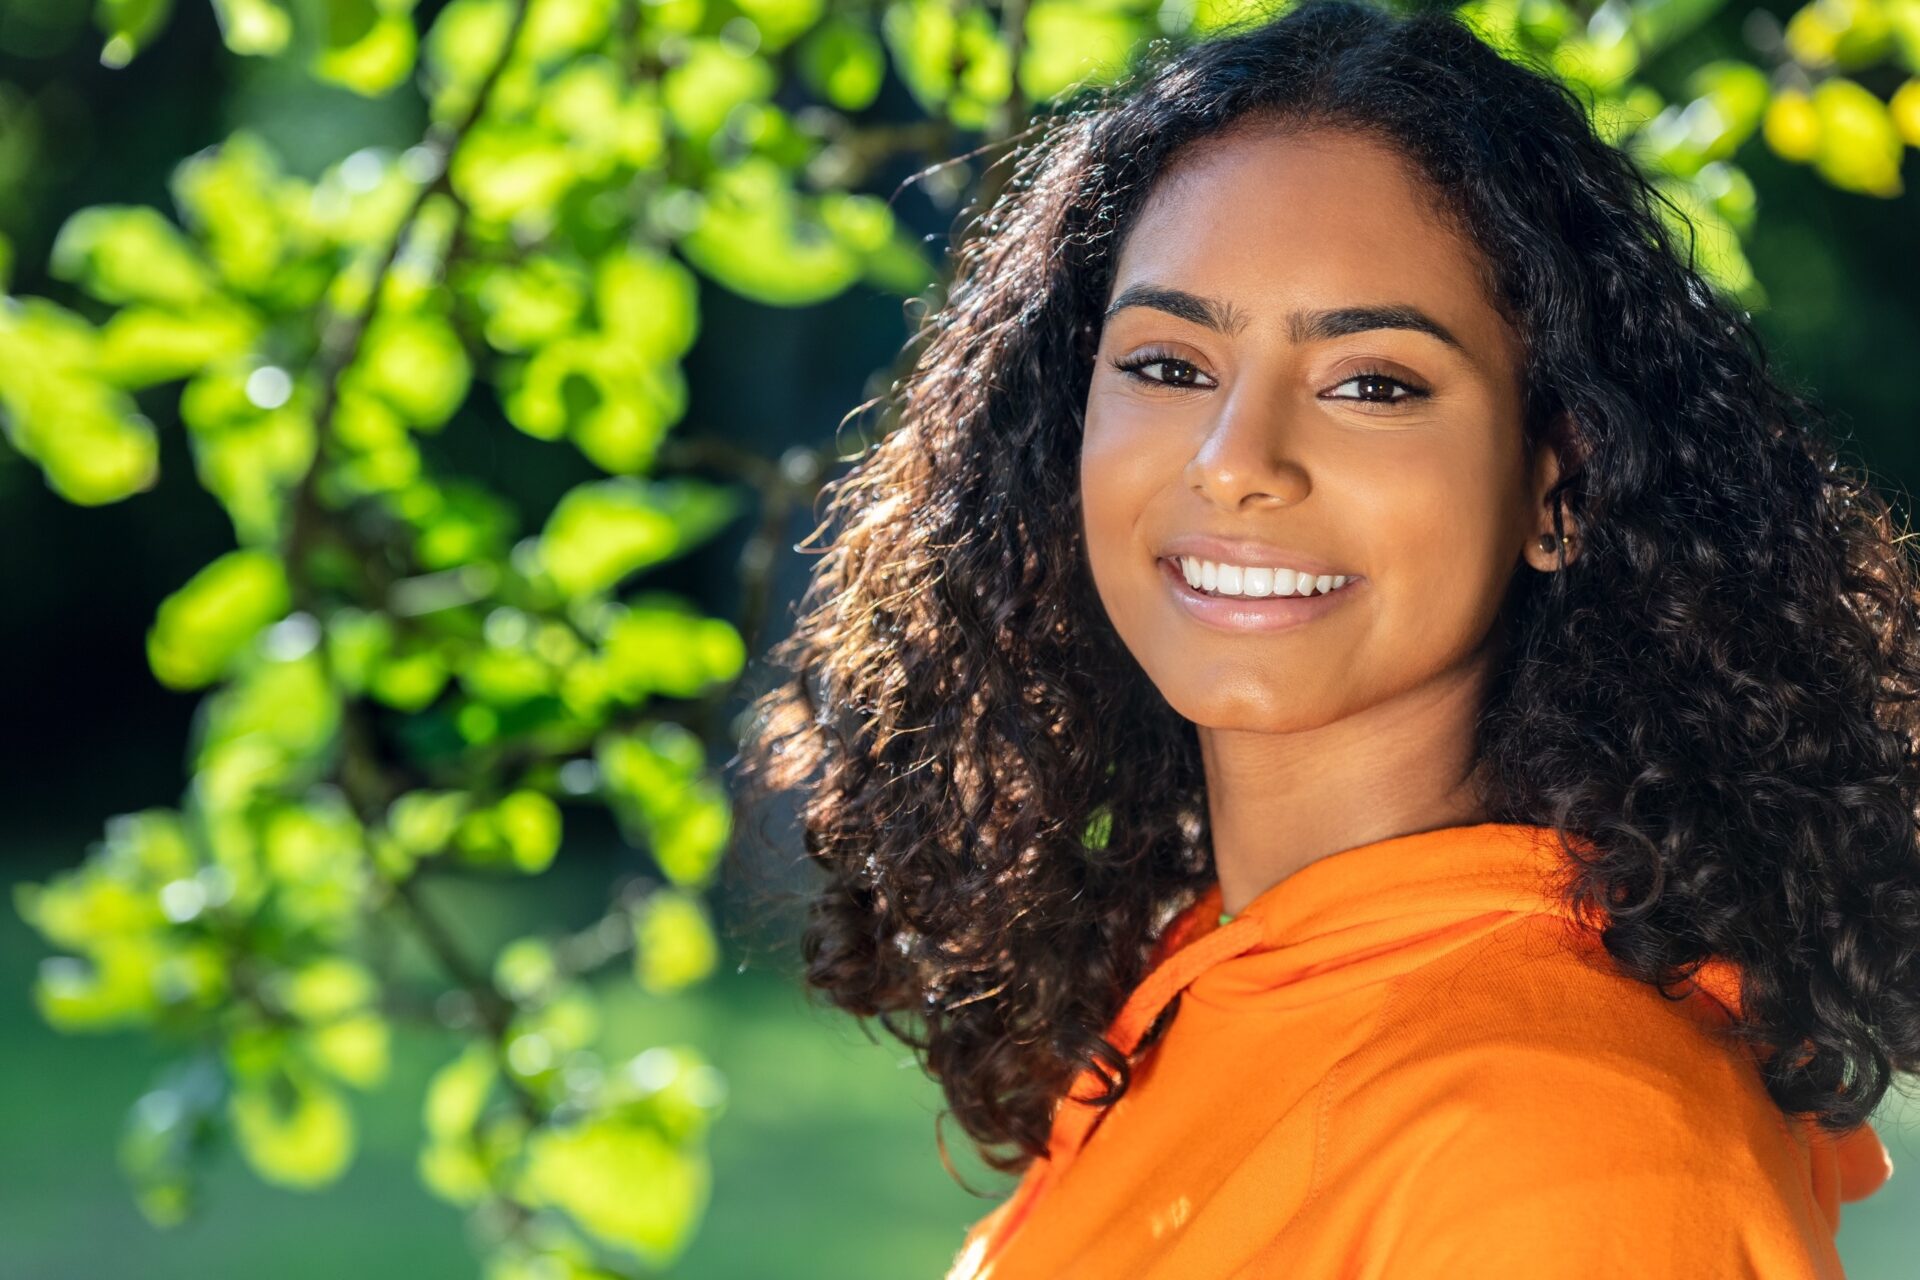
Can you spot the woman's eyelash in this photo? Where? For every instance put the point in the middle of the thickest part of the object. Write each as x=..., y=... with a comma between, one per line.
x=1131, y=367
x=1380, y=375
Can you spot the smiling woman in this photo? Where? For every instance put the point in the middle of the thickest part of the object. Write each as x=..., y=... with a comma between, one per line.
x=1355, y=722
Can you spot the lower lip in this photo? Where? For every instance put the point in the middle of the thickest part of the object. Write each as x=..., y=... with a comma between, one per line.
x=1245, y=613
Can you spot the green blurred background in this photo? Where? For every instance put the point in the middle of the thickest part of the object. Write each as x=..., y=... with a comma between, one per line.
x=824, y=1159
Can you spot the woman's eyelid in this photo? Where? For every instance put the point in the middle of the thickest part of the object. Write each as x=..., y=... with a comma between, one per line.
x=1345, y=364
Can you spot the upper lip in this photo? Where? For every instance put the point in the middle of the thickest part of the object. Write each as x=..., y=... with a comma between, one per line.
x=1243, y=552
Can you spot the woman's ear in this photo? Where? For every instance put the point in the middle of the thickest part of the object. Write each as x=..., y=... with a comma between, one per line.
x=1545, y=549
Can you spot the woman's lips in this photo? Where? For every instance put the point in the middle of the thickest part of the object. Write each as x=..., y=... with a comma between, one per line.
x=1246, y=613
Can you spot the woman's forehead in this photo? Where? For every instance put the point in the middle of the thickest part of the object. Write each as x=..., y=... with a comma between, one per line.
x=1270, y=224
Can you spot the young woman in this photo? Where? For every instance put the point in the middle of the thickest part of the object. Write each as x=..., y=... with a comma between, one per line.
x=1342, y=578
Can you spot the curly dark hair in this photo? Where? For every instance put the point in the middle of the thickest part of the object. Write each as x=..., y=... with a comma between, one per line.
x=1716, y=693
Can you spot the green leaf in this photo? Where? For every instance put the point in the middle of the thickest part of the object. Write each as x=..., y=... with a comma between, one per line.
x=253, y=26
x=458, y=1091
x=529, y=825
x=1859, y=147
x=1099, y=829
x=416, y=363
x=130, y=253
x=348, y=22
x=88, y=436
x=326, y=988
x=559, y=28
x=758, y=238
x=506, y=171
x=779, y=21
x=661, y=794
x=709, y=82
x=661, y=646
x=1739, y=92
x=674, y=945
x=589, y=1171
x=531, y=302
x=369, y=48
x=142, y=345
x=1071, y=42
x=648, y=301
x=294, y=1131
x=231, y=196
x=602, y=531
x=424, y=822
x=842, y=61
x=129, y=25
x=603, y=391
x=526, y=970
x=203, y=627
x=356, y=1049
x=462, y=45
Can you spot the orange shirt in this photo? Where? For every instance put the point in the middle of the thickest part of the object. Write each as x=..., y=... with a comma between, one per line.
x=1407, y=1060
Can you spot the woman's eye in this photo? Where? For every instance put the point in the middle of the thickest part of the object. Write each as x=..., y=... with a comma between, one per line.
x=1377, y=380
x=1168, y=371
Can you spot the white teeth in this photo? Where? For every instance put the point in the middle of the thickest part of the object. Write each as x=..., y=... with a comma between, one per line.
x=1255, y=581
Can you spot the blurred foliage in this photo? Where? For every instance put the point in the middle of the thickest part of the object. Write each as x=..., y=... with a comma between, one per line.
x=400, y=681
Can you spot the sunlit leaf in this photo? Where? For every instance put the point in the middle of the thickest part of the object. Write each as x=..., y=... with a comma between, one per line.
x=231, y=195
x=505, y=170
x=1792, y=126
x=1859, y=148
x=369, y=47
x=87, y=435
x=253, y=26
x=660, y=647
x=458, y=1091
x=416, y=363
x=326, y=988
x=674, y=946
x=356, y=1049
x=648, y=301
x=129, y=26
x=532, y=302
x=130, y=253
x=589, y=1171
x=142, y=345
x=1739, y=94
x=709, y=82
x=529, y=825
x=843, y=62
x=602, y=531
x=760, y=239
x=657, y=783
x=1075, y=41
x=1904, y=107
x=294, y=1130
x=200, y=629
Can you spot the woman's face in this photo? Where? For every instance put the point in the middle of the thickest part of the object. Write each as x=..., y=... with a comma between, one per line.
x=1319, y=384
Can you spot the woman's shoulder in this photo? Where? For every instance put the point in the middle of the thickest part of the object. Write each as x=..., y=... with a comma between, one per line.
x=1523, y=1091
x=1536, y=1011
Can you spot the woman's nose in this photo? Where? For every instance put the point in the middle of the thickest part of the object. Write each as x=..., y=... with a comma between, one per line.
x=1244, y=460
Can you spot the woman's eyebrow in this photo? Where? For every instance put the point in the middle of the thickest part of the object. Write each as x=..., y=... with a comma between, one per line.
x=1302, y=326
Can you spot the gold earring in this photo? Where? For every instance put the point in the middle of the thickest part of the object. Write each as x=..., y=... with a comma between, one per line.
x=1546, y=541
